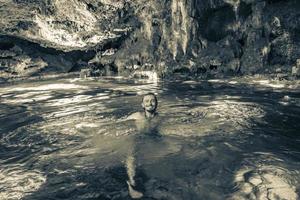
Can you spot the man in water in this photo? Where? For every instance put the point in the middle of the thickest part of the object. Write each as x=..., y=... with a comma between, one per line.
x=146, y=122
x=149, y=105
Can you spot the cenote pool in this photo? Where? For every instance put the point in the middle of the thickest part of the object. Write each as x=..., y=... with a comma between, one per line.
x=219, y=139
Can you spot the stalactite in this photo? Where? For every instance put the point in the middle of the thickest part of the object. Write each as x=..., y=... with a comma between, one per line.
x=180, y=26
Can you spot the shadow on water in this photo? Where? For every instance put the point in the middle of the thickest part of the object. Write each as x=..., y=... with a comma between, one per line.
x=219, y=141
x=15, y=116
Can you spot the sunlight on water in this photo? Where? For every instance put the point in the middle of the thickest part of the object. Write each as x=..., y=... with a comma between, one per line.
x=265, y=182
x=28, y=97
x=47, y=87
x=70, y=100
x=269, y=83
x=16, y=182
x=227, y=115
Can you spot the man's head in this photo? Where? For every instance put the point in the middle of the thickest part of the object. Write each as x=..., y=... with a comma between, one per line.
x=149, y=102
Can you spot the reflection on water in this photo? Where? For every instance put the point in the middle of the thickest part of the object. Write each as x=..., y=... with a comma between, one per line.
x=220, y=139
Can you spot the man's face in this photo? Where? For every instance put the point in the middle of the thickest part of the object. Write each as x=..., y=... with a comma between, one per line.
x=149, y=103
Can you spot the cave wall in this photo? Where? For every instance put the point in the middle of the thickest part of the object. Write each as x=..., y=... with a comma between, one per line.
x=195, y=37
x=216, y=37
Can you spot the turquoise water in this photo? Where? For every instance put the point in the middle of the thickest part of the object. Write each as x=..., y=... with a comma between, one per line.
x=218, y=139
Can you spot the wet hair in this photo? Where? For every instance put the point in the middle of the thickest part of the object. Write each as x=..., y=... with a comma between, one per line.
x=151, y=94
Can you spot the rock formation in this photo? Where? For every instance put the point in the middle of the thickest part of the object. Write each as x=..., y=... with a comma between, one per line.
x=193, y=37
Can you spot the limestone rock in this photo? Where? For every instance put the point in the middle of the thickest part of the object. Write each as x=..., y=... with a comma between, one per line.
x=84, y=73
x=244, y=36
x=296, y=71
x=233, y=66
x=254, y=58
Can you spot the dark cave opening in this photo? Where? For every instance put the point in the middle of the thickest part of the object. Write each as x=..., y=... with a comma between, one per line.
x=244, y=10
x=213, y=67
x=213, y=23
x=183, y=70
x=6, y=45
x=275, y=1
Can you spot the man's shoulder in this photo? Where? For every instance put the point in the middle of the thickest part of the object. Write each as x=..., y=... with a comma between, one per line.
x=136, y=116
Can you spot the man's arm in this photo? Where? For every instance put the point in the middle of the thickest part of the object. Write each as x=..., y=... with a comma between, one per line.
x=135, y=116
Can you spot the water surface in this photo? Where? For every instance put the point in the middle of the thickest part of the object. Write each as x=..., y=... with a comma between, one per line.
x=69, y=139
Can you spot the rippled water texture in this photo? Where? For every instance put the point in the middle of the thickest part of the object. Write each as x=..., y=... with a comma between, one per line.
x=69, y=139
